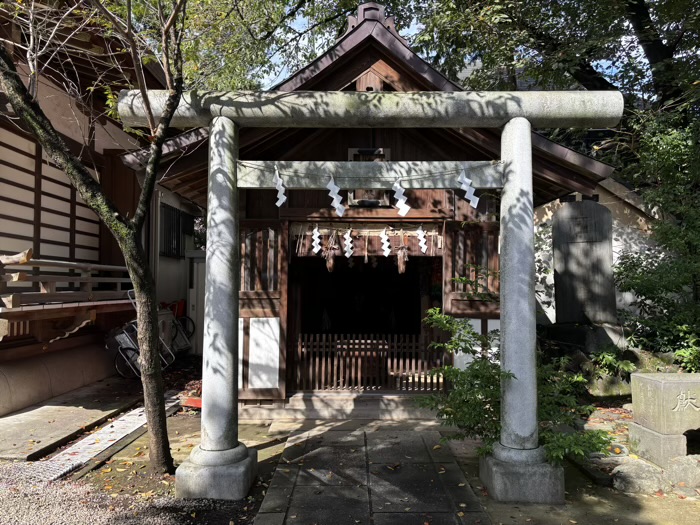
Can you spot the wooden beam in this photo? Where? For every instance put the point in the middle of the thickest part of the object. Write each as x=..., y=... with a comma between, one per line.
x=69, y=310
x=74, y=265
x=369, y=175
x=19, y=258
x=65, y=278
x=365, y=215
x=23, y=298
x=32, y=348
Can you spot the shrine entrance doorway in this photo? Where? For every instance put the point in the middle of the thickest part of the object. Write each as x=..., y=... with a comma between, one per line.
x=359, y=327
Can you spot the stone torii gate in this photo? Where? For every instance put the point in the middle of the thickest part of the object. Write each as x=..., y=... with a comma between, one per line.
x=221, y=467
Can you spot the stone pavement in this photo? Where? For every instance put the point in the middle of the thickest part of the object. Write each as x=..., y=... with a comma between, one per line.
x=369, y=474
x=36, y=430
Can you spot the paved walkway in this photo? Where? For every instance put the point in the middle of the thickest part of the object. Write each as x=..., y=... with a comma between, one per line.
x=33, y=432
x=369, y=475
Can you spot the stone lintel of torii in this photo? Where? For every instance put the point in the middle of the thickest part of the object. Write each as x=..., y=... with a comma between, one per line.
x=221, y=467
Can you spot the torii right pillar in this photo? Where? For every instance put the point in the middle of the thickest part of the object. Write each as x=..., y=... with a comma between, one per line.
x=517, y=470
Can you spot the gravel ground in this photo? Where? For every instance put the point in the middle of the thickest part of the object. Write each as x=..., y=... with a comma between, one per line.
x=24, y=501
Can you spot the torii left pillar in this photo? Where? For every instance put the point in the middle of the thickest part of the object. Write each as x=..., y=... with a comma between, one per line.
x=220, y=467
x=517, y=470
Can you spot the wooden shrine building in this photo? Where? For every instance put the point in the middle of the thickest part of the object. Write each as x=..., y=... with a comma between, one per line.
x=319, y=320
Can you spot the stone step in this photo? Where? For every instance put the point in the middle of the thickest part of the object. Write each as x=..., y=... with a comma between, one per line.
x=339, y=406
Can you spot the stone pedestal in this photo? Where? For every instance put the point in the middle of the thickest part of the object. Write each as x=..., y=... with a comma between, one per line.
x=665, y=406
x=522, y=482
x=226, y=474
x=656, y=447
x=666, y=403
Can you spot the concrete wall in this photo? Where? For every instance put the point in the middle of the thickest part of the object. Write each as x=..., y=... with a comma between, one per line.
x=462, y=360
x=35, y=379
x=172, y=279
x=631, y=231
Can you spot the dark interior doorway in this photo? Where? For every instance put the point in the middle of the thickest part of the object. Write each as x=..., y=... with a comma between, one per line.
x=362, y=298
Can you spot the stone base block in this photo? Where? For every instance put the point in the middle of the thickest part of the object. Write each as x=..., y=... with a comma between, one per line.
x=230, y=480
x=655, y=447
x=522, y=483
x=666, y=403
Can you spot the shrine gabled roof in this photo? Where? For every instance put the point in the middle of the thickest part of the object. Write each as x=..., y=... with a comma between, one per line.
x=370, y=28
x=370, y=44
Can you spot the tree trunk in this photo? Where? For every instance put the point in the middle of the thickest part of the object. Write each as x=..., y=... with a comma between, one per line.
x=127, y=235
x=161, y=460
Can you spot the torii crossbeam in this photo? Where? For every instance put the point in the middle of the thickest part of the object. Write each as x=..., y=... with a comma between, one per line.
x=221, y=467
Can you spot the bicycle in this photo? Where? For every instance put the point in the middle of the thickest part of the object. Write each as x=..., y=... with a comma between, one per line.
x=124, y=341
x=185, y=321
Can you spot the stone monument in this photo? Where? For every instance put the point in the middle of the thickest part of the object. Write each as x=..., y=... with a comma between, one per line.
x=665, y=406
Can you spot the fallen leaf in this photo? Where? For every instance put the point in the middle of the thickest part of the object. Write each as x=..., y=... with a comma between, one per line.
x=461, y=484
x=437, y=447
x=107, y=470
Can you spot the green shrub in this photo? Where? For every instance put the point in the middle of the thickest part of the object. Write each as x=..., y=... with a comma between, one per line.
x=472, y=403
x=609, y=362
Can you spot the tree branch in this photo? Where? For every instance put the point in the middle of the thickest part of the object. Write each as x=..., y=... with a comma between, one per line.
x=175, y=81
x=128, y=35
x=51, y=36
x=581, y=70
x=659, y=55
x=289, y=14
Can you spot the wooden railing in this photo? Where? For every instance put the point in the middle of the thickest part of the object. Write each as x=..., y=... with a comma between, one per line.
x=77, y=282
x=370, y=362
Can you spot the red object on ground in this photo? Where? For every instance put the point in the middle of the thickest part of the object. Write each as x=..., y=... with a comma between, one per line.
x=191, y=402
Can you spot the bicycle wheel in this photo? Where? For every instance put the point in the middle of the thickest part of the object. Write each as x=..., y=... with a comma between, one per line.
x=187, y=325
x=126, y=362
